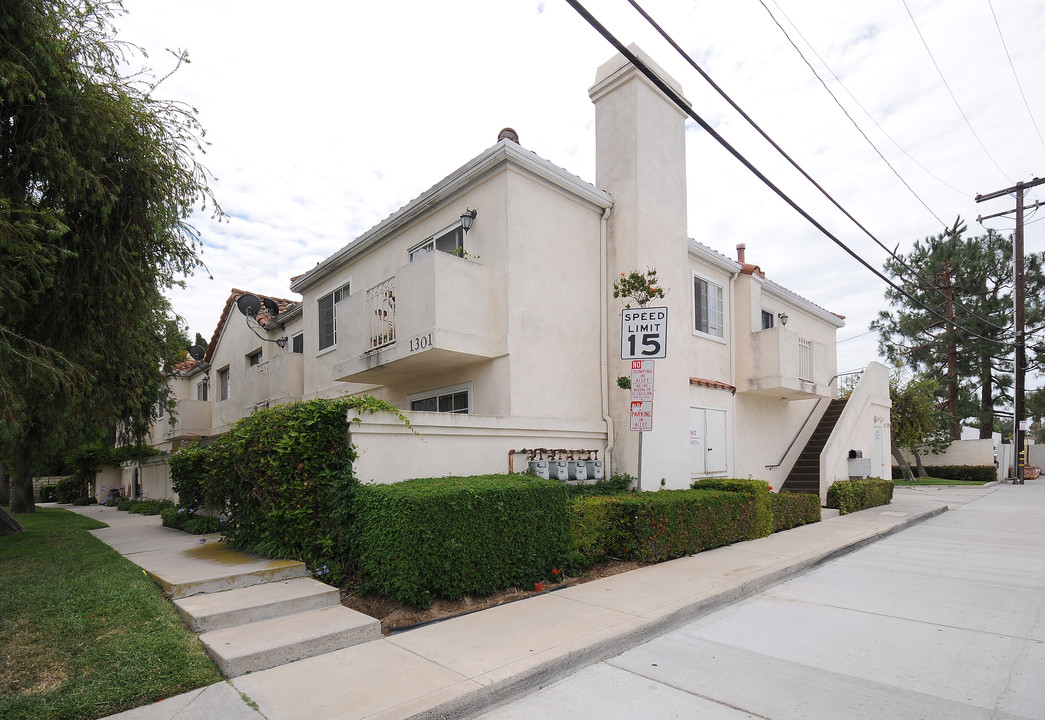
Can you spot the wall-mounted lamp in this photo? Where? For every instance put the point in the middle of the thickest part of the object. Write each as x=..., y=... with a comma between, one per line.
x=783, y=318
x=468, y=218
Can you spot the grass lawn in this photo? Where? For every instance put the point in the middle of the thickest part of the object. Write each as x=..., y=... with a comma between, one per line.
x=83, y=632
x=936, y=481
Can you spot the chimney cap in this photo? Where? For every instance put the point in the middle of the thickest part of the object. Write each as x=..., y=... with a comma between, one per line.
x=741, y=247
x=508, y=134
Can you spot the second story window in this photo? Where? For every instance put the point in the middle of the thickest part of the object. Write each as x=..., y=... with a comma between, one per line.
x=708, y=308
x=224, y=384
x=254, y=358
x=768, y=320
x=201, y=390
x=297, y=343
x=450, y=241
x=328, y=315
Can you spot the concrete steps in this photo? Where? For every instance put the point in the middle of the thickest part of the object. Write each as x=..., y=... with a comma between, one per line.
x=220, y=610
x=278, y=641
x=254, y=613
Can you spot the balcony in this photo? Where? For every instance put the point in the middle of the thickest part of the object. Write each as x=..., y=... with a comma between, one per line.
x=436, y=313
x=777, y=363
x=193, y=421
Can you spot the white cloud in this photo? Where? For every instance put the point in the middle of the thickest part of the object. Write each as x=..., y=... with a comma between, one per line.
x=326, y=117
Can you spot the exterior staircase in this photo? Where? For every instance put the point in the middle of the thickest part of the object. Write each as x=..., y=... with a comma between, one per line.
x=805, y=475
x=254, y=622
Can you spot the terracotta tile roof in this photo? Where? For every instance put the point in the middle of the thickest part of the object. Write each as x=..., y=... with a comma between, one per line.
x=263, y=316
x=184, y=366
x=713, y=384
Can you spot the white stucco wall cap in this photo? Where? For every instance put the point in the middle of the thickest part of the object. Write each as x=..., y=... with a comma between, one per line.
x=618, y=70
x=505, y=153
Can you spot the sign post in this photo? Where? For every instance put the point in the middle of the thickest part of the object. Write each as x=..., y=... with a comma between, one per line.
x=641, y=404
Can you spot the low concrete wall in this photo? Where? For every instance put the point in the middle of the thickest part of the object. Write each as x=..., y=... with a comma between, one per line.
x=959, y=452
x=459, y=445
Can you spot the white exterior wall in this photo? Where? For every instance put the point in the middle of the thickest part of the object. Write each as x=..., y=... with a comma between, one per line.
x=452, y=444
x=864, y=425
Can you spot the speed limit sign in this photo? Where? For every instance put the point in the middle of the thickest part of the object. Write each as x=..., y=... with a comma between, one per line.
x=644, y=333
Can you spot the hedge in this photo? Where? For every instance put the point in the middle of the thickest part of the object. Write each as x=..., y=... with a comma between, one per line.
x=657, y=526
x=848, y=496
x=759, y=488
x=794, y=509
x=980, y=473
x=449, y=537
x=282, y=478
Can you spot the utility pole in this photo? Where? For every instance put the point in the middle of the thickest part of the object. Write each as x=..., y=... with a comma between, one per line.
x=1019, y=295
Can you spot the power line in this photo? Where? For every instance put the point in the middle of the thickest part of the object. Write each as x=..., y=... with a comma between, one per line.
x=663, y=33
x=846, y=113
x=855, y=99
x=949, y=92
x=686, y=108
x=1014, y=75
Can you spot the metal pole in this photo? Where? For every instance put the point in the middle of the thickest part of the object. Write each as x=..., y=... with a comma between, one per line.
x=638, y=480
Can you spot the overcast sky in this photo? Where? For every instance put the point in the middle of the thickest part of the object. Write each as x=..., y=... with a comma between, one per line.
x=325, y=117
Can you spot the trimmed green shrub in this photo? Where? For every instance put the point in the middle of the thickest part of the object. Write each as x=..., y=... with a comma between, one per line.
x=979, y=473
x=182, y=519
x=282, y=477
x=656, y=526
x=448, y=537
x=759, y=488
x=619, y=484
x=148, y=507
x=70, y=488
x=849, y=496
x=794, y=509
x=48, y=493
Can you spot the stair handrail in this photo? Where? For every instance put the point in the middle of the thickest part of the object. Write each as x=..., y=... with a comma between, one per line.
x=801, y=429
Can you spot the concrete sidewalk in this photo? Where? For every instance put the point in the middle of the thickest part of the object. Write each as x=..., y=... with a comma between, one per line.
x=460, y=666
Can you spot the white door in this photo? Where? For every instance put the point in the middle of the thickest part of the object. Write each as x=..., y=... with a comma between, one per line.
x=707, y=441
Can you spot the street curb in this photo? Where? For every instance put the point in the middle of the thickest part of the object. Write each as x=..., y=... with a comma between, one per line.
x=503, y=691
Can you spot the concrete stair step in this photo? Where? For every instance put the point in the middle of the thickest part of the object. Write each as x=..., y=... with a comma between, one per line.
x=270, y=643
x=216, y=611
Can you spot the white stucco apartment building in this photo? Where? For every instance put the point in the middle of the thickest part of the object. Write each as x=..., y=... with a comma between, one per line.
x=484, y=309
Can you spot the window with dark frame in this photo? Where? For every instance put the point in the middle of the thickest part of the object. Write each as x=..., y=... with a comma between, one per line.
x=297, y=343
x=254, y=358
x=328, y=315
x=768, y=319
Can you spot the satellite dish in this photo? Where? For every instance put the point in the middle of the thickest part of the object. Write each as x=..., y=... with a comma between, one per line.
x=249, y=304
x=197, y=353
x=271, y=306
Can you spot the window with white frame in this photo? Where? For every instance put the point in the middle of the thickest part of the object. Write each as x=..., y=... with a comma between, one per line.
x=768, y=319
x=224, y=384
x=201, y=390
x=297, y=343
x=161, y=410
x=708, y=307
x=328, y=315
x=450, y=240
x=457, y=399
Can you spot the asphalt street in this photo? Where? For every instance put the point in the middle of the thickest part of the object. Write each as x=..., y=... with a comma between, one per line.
x=943, y=620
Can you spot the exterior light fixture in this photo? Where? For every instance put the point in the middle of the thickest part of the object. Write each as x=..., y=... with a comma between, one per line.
x=783, y=318
x=468, y=218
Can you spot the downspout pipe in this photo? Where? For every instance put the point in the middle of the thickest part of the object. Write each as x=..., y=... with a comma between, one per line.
x=603, y=331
